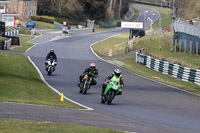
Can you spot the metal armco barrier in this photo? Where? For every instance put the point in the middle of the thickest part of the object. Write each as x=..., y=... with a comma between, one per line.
x=7, y=44
x=174, y=70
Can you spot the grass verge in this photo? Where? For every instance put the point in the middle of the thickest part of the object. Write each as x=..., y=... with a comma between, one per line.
x=20, y=82
x=136, y=15
x=3, y=38
x=152, y=48
x=22, y=126
x=24, y=45
x=115, y=44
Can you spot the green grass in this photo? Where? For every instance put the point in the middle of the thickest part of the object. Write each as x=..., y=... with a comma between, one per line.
x=24, y=31
x=20, y=82
x=23, y=43
x=3, y=38
x=103, y=29
x=166, y=16
x=136, y=15
x=43, y=25
x=22, y=126
x=152, y=48
x=116, y=43
x=37, y=34
x=109, y=22
x=39, y=24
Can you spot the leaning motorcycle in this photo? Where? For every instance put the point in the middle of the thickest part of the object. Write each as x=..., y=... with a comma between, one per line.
x=112, y=89
x=85, y=84
x=50, y=65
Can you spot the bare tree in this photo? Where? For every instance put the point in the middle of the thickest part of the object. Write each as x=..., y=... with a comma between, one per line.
x=120, y=6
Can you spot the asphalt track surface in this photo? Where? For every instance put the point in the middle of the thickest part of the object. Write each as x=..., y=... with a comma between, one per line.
x=145, y=105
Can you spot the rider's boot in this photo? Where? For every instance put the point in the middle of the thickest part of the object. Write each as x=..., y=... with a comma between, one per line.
x=79, y=83
x=120, y=92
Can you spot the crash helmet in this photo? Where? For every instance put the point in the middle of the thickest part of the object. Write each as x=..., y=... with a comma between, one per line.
x=93, y=65
x=117, y=72
x=51, y=51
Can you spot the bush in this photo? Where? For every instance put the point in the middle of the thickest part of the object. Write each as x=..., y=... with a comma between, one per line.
x=24, y=31
x=69, y=21
x=36, y=18
x=46, y=19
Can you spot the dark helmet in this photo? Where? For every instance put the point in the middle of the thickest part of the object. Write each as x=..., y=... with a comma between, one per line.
x=93, y=65
x=117, y=72
x=52, y=51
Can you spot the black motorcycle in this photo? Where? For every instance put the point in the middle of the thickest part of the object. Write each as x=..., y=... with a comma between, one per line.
x=85, y=83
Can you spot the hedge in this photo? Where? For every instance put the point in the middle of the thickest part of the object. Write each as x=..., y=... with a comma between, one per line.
x=43, y=19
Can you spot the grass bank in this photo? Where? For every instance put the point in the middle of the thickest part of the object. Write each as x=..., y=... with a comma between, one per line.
x=38, y=24
x=22, y=126
x=152, y=48
x=112, y=46
x=24, y=45
x=20, y=82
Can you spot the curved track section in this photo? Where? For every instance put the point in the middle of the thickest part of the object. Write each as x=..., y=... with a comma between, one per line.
x=145, y=106
x=143, y=100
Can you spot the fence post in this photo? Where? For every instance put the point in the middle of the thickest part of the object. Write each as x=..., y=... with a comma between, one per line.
x=197, y=49
x=175, y=45
x=190, y=47
x=185, y=46
x=179, y=45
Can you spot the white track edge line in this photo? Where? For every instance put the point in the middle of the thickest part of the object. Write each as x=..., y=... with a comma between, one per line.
x=42, y=78
x=135, y=73
x=55, y=90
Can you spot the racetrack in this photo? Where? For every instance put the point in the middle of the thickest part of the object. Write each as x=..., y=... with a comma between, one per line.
x=145, y=106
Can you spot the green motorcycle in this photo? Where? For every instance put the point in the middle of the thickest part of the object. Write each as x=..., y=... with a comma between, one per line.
x=112, y=89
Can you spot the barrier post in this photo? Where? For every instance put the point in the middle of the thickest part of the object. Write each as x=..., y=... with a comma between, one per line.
x=185, y=46
x=197, y=50
x=175, y=45
x=190, y=47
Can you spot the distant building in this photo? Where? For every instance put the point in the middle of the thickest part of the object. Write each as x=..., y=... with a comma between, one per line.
x=8, y=18
x=25, y=8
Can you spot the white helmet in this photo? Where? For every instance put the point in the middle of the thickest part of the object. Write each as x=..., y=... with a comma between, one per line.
x=117, y=72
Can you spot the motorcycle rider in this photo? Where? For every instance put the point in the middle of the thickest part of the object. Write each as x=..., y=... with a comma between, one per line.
x=91, y=71
x=51, y=54
x=115, y=76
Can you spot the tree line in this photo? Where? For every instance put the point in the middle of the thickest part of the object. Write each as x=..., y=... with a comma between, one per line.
x=84, y=9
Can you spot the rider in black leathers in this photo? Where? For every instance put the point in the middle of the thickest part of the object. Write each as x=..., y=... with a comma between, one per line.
x=51, y=54
x=91, y=71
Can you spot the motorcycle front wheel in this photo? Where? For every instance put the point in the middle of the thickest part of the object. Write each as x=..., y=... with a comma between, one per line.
x=111, y=97
x=85, y=88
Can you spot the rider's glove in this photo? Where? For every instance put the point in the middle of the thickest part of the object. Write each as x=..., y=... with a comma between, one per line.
x=107, y=80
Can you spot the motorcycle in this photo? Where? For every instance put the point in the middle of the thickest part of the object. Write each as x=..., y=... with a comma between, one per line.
x=85, y=84
x=112, y=89
x=50, y=65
